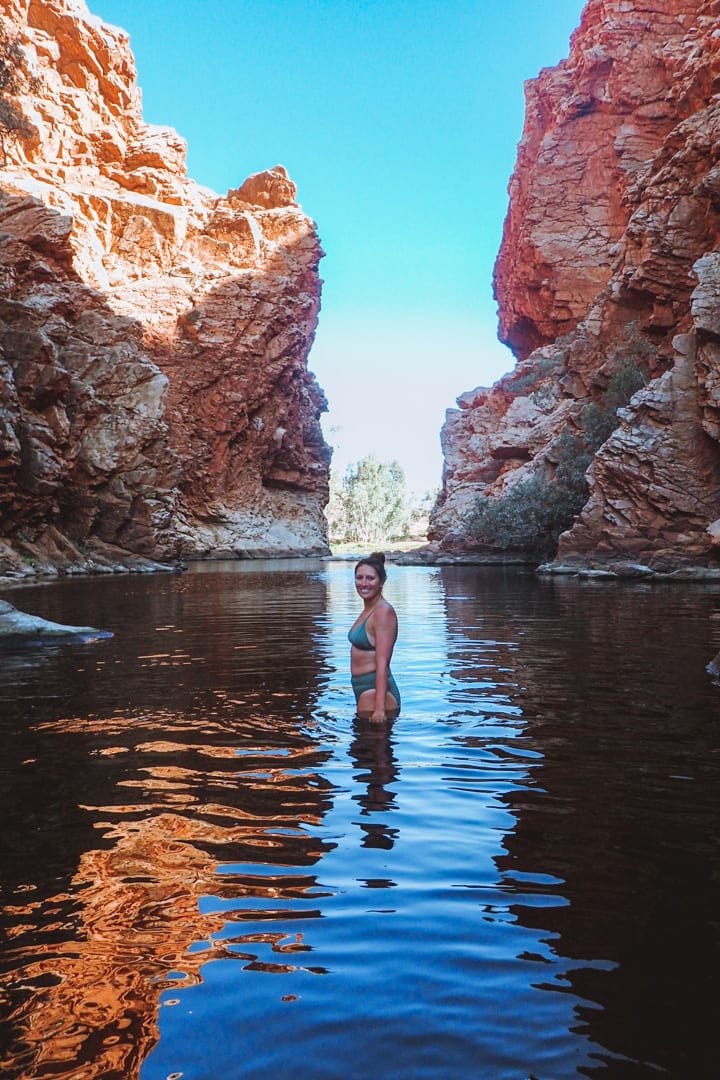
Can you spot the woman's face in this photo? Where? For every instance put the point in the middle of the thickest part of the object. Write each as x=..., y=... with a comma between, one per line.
x=367, y=582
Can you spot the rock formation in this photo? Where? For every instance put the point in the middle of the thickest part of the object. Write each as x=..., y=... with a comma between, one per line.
x=155, y=401
x=610, y=261
x=19, y=626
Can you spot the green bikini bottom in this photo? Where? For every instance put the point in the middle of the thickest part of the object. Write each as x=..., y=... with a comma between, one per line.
x=361, y=683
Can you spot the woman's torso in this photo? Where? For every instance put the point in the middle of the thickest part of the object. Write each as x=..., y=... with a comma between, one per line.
x=362, y=640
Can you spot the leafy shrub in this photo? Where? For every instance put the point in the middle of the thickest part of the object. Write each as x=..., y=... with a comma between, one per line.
x=530, y=518
x=599, y=419
x=534, y=513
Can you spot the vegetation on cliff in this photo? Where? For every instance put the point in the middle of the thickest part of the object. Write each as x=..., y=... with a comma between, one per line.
x=535, y=512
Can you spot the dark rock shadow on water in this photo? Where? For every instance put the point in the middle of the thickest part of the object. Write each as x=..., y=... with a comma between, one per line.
x=372, y=752
x=614, y=854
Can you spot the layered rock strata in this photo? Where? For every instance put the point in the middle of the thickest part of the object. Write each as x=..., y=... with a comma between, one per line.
x=155, y=401
x=610, y=257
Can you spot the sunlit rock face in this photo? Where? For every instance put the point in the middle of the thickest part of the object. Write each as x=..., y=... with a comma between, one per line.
x=155, y=400
x=610, y=258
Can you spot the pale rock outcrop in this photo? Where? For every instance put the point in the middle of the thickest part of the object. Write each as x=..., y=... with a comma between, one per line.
x=153, y=335
x=610, y=257
x=19, y=626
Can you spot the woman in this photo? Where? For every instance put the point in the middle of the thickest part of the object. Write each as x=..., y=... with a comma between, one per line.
x=373, y=636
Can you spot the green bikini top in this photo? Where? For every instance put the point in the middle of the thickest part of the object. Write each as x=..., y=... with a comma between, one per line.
x=358, y=637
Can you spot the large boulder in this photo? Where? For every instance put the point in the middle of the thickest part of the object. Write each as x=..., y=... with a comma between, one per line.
x=17, y=624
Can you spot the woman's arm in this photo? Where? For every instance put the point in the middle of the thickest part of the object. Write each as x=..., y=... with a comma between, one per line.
x=385, y=633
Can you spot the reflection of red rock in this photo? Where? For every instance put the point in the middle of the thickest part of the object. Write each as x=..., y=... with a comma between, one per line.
x=136, y=910
x=610, y=256
x=154, y=336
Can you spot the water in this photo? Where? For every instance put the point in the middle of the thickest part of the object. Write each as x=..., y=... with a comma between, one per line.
x=210, y=870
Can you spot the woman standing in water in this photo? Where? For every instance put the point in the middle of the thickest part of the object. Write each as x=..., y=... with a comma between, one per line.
x=373, y=636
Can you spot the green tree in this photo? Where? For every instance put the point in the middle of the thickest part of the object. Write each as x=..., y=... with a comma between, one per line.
x=369, y=503
x=419, y=510
x=335, y=509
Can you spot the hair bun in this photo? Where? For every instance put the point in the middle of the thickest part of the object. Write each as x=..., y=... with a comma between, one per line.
x=377, y=556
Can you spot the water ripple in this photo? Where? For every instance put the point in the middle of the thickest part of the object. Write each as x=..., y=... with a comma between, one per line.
x=519, y=877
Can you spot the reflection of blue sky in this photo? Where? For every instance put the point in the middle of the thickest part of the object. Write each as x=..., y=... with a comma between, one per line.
x=457, y=748
x=457, y=685
x=418, y=832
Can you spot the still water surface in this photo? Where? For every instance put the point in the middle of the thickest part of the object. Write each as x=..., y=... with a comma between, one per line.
x=211, y=870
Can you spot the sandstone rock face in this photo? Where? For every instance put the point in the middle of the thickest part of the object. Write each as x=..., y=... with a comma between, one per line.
x=610, y=259
x=155, y=401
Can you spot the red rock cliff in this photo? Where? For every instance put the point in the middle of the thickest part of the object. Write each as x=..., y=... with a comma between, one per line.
x=610, y=261
x=154, y=393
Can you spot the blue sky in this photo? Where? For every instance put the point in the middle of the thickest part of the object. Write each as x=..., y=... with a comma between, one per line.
x=399, y=121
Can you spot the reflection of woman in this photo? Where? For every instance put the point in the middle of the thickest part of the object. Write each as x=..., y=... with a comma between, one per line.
x=373, y=636
x=372, y=752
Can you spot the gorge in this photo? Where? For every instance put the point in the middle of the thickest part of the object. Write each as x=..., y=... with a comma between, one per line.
x=155, y=398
